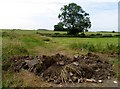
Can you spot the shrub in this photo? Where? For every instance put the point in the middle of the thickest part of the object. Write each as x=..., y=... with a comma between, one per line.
x=113, y=31
x=85, y=46
x=5, y=34
x=59, y=27
x=11, y=35
x=42, y=34
x=107, y=35
x=98, y=34
x=57, y=33
x=12, y=50
x=91, y=48
x=118, y=35
x=37, y=33
x=92, y=35
x=111, y=46
x=82, y=35
x=46, y=39
x=6, y=65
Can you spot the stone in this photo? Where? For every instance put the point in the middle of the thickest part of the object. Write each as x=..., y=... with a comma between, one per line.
x=79, y=80
x=91, y=80
x=115, y=82
x=31, y=63
x=60, y=85
x=56, y=81
x=70, y=80
x=74, y=79
x=71, y=74
x=100, y=81
x=76, y=63
x=109, y=77
x=61, y=63
x=75, y=56
x=55, y=77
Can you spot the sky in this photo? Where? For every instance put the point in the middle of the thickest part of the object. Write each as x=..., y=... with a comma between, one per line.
x=43, y=14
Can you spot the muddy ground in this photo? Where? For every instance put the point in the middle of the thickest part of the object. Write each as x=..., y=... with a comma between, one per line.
x=62, y=70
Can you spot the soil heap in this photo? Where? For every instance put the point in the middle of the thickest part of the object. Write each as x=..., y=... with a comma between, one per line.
x=62, y=69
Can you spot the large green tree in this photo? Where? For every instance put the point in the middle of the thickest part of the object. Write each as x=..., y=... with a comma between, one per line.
x=74, y=18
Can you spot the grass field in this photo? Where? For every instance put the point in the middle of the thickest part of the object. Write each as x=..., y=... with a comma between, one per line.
x=27, y=42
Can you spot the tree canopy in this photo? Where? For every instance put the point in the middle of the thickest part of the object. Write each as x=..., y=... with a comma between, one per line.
x=59, y=27
x=74, y=18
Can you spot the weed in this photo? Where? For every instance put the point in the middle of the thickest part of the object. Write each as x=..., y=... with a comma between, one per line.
x=107, y=35
x=46, y=39
x=85, y=46
x=5, y=34
x=57, y=33
x=11, y=80
x=98, y=34
x=32, y=41
x=94, y=48
x=12, y=50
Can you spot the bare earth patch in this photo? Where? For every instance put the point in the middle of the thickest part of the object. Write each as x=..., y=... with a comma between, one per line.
x=61, y=71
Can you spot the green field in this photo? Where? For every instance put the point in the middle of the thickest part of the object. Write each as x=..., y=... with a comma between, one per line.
x=20, y=42
x=27, y=42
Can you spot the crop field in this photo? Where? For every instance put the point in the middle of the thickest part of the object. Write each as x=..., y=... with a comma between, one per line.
x=28, y=42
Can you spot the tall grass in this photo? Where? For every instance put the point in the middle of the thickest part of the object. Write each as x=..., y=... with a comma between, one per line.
x=109, y=47
x=11, y=47
x=20, y=44
x=11, y=80
x=32, y=41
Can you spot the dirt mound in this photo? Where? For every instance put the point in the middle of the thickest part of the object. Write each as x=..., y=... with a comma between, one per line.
x=61, y=69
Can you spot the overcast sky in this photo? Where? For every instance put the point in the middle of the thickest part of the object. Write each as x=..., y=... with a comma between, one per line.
x=43, y=14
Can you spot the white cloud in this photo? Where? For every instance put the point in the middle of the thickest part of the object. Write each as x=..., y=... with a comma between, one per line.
x=34, y=14
x=106, y=20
